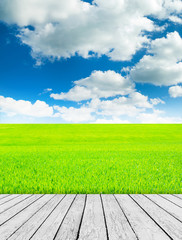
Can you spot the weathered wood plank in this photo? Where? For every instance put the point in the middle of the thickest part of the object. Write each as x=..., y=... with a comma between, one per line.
x=166, y=205
x=70, y=226
x=14, y=202
x=93, y=225
x=3, y=196
x=172, y=199
x=117, y=224
x=178, y=196
x=44, y=217
x=8, y=228
x=167, y=222
x=144, y=227
x=50, y=226
x=17, y=208
x=9, y=198
x=29, y=228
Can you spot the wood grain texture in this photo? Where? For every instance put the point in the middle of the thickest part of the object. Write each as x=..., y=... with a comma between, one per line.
x=167, y=222
x=70, y=226
x=144, y=227
x=117, y=224
x=50, y=227
x=11, y=226
x=3, y=196
x=29, y=228
x=172, y=199
x=17, y=208
x=91, y=217
x=166, y=205
x=178, y=196
x=8, y=199
x=14, y=202
x=93, y=225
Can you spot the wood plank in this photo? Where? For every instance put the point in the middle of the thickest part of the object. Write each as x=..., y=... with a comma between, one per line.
x=70, y=226
x=178, y=196
x=3, y=196
x=93, y=225
x=9, y=198
x=144, y=227
x=8, y=228
x=167, y=222
x=172, y=199
x=166, y=205
x=117, y=224
x=49, y=228
x=29, y=228
x=17, y=208
x=14, y=202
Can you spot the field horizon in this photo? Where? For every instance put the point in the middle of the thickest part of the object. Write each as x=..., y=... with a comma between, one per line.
x=91, y=158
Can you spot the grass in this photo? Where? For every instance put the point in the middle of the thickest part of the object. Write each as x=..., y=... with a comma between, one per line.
x=85, y=158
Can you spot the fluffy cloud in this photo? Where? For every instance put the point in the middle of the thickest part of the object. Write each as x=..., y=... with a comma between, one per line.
x=65, y=28
x=47, y=90
x=157, y=116
x=175, y=91
x=117, y=110
x=76, y=115
x=110, y=111
x=98, y=85
x=170, y=9
x=175, y=19
x=110, y=121
x=31, y=12
x=12, y=107
x=101, y=85
x=129, y=106
x=163, y=66
x=156, y=101
x=39, y=12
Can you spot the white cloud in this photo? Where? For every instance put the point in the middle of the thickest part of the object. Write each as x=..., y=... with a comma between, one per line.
x=164, y=66
x=107, y=111
x=103, y=85
x=46, y=90
x=12, y=107
x=65, y=28
x=175, y=19
x=110, y=121
x=75, y=115
x=156, y=101
x=118, y=110
x=175, y=91
x=117, y=29
x=98, y=85
x=39, y=12
x=157, y=116
x=169, y=8
x=129, y=106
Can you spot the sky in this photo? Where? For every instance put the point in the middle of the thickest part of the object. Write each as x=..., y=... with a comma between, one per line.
x=98, y=61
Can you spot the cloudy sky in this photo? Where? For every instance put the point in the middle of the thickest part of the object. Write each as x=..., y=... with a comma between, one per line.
x=98, y=61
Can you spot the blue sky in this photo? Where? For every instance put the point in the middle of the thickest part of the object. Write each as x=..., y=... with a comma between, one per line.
x=125, y=59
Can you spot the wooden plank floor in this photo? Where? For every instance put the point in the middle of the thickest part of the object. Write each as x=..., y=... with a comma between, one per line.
x=90, y=217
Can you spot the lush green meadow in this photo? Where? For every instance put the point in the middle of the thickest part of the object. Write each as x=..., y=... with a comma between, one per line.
x=85, y=158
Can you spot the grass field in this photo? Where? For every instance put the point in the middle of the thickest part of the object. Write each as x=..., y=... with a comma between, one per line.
x=84, y=158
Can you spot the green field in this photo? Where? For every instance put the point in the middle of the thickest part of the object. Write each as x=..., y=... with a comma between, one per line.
x=85, y=158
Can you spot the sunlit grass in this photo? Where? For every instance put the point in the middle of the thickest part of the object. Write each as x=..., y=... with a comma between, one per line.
x=84, y=158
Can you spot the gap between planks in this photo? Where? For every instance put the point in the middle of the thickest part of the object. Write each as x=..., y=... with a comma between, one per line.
x=91, y=216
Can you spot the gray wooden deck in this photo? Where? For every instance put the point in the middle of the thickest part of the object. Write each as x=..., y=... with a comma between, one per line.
x=90, y=217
